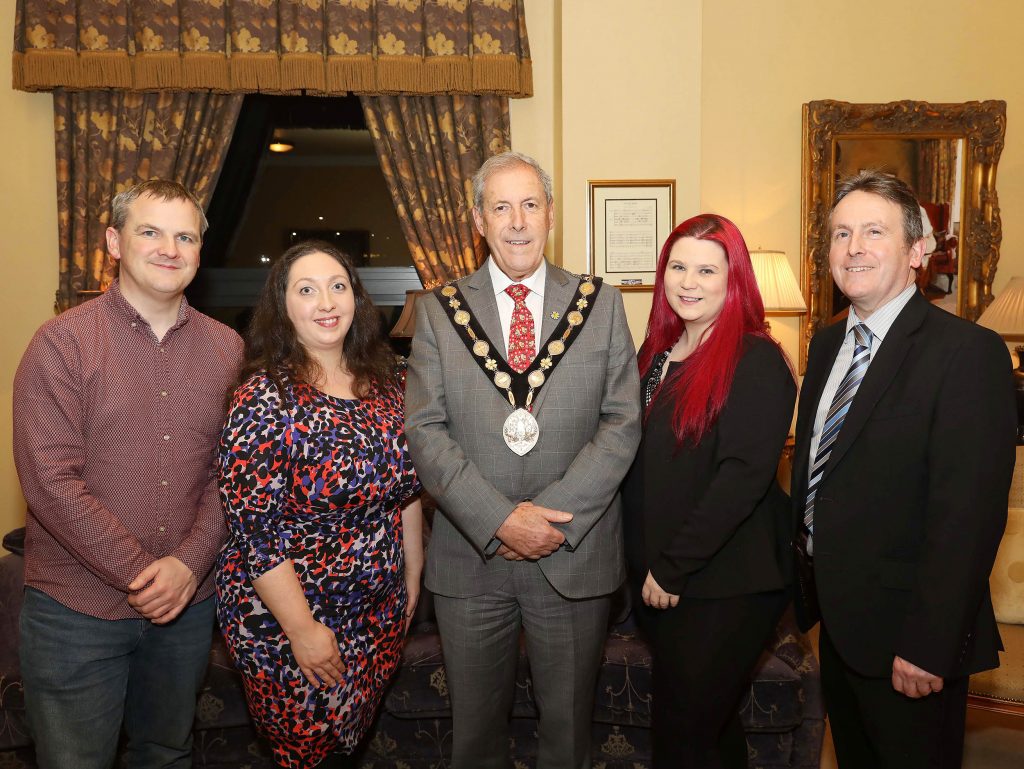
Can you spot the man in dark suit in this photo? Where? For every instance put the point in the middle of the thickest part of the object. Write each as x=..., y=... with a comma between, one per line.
x=904, y=453
x=523, y=415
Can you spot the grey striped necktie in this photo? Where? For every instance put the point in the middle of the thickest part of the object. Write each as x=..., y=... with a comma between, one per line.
x=834, y=420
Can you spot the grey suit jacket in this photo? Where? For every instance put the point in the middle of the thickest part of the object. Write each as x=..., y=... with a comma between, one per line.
x=589, y=415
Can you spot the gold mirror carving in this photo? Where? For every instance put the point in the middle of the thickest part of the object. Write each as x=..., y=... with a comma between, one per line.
x=980, y=128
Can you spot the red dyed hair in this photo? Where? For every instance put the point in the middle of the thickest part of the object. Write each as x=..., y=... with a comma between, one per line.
x=701, y=387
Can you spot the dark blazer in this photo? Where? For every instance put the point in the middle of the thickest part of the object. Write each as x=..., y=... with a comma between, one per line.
x=910, y=511
x=710, y=521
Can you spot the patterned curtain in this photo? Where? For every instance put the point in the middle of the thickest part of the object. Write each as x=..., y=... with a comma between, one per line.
x=110, y=140
x=274, y=46
x=429, y=147
x=936, y=170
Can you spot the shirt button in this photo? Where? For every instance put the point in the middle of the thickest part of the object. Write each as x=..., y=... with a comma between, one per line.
x=163, y=483
x=163, y=393
x=167, y=437
x=134, y=324
x=162, y=528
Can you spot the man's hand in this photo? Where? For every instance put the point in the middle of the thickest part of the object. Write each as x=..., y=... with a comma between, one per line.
x=528, y=530
x=655, y=597
x=508, y=553
x=909, y=679
x=162, y=590
x=316, y=651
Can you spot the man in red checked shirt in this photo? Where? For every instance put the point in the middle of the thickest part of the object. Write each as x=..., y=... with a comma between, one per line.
x=118, y=406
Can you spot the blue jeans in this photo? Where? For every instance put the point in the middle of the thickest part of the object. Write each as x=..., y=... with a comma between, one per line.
x=84, y=676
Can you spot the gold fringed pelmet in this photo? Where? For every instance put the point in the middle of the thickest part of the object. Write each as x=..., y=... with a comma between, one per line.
x=158, y=69
x=399, y=74
x=447, y=74
x=351, y=73
x=205, y=70
x=303, y=71
x=105, y=69
x=255, y=72
x=495, y=73
x=50, y=69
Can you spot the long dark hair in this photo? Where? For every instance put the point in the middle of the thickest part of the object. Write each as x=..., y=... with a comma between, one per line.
x=271, y=344
x=701, y=387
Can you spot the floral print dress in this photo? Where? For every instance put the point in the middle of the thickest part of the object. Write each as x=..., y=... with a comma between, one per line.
x=320, y=481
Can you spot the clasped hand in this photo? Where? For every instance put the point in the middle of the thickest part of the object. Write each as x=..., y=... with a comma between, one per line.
x=162, y=590
x=655, y=597
x=909, y=679
x=527, y=533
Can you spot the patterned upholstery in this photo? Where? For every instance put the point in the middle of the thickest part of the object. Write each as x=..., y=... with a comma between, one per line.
x=783, y=714
x=1007, y=580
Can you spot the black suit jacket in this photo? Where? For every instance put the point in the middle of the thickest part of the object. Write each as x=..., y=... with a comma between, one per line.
x=710, y=520
x=912, y=505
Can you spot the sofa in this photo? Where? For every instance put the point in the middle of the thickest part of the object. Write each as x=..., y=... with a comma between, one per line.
x=783, y=713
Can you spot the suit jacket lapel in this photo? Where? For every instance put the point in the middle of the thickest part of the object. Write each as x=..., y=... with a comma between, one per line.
x=817, y=374
x=879, y=376
x=479, y=292
x=559, y=289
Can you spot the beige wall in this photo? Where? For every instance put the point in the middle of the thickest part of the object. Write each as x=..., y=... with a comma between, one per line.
x=710, y=93
x=762, y=61
x=617, y=110
x=28, y=221
x=707, y=93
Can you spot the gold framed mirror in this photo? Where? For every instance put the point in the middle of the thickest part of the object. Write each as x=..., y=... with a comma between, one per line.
x=948, y=153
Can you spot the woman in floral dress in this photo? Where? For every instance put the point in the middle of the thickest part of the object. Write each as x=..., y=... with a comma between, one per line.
x=321, y=571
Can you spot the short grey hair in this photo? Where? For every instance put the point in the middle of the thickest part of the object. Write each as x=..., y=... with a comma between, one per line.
x=892, y=189
x=161, y=189
x=503, y=162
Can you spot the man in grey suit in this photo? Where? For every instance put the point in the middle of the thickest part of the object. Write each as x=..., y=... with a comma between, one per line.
x=523, y=439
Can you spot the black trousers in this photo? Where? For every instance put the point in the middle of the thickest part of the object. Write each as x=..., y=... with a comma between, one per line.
x=876, y=727
x=704, y=652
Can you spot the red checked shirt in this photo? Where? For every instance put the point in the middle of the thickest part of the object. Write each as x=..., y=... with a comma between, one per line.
x=115, y=435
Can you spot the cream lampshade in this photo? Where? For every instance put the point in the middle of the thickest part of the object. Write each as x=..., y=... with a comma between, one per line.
x=777, y=283
x=1005, y=316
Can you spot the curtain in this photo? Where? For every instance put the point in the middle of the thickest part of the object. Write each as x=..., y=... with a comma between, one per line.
x=429, y=147
x=109, y=140
x=936, y=170
x=274, y=46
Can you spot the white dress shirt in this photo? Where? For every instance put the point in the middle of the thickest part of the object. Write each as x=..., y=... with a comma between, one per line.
x=879, y=323
x=534, y=300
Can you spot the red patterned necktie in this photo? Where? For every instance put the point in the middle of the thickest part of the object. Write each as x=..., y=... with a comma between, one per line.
x=521, y=345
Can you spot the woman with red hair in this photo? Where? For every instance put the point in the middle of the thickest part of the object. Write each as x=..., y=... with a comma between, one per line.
x=706, y=522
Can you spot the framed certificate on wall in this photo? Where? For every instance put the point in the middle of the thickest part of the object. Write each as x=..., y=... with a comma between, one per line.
x=627, y=223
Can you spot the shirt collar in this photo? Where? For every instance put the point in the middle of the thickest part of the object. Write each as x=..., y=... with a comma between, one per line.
x=881, y=320
x=123, y=306
x=500, y=281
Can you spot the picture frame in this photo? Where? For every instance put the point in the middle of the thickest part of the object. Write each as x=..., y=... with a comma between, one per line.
x=627, y=223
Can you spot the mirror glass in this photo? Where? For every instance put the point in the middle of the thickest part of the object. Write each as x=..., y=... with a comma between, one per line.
x=948, y=153
x=934, y=170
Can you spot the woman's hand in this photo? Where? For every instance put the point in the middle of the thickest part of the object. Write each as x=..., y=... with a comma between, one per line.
x=316, y=650
x=412, y=552
x=412, y=588
x=655, y=597
x=313, y=643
